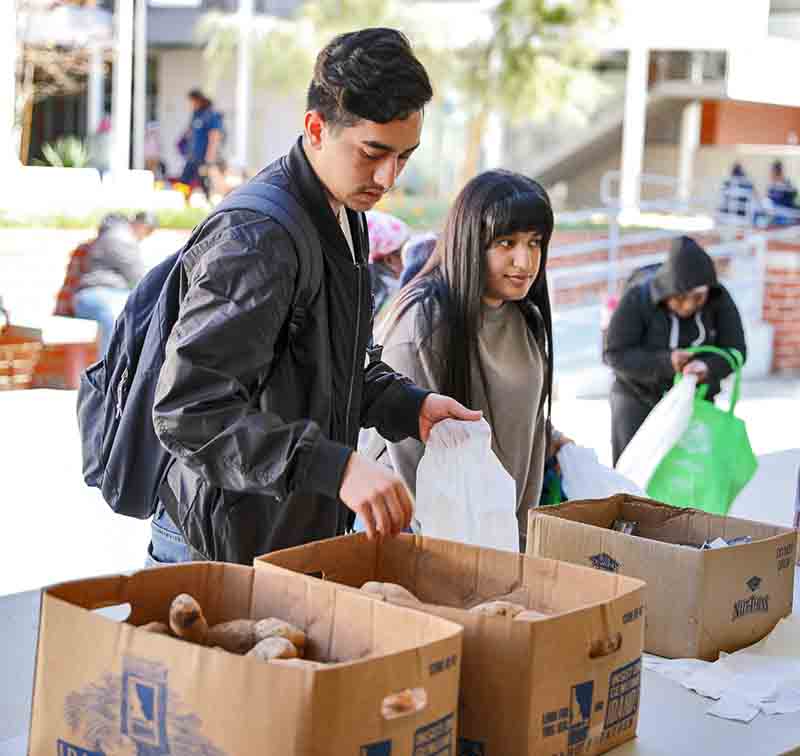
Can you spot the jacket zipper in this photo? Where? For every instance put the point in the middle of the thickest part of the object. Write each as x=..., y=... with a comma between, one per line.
x=355, y=357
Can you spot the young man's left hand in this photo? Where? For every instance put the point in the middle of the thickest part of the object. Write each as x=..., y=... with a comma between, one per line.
x=437, y=407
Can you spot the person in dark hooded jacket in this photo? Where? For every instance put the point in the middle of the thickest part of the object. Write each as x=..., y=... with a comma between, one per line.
x=681, y=305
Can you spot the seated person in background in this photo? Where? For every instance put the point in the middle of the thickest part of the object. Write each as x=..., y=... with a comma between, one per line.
x=114, y=266
x=681, y=304
x=782, y=194
x=387, y=235
x=738, y=193
x=416, y=253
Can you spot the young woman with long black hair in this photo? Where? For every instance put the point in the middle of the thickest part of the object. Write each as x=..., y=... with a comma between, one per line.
x=476, y=324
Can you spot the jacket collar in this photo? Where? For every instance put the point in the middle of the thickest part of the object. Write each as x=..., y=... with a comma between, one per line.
x=315, y=200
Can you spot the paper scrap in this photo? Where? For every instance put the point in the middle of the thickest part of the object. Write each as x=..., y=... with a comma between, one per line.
x=764, y=677
x=734, y=707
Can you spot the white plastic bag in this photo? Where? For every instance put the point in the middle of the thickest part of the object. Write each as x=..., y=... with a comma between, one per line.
x=463, y=491
x=583, y=477
x=660, y=431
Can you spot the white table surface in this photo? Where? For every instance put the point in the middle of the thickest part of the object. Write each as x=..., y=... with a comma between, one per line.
x=672, y=720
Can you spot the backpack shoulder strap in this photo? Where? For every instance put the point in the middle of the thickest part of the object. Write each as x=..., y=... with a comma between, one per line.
x=284, y=209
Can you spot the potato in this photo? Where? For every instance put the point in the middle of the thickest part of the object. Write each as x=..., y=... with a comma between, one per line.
x=159, y=628
x=390, y=592
x=498, y=609
x=277, y=628
x=237, y=636
x=531, y=615
x=273, y=648
x=186, y=619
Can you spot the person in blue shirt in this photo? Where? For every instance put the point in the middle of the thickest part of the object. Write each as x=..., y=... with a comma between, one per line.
x=782, y=193
x=202, y=140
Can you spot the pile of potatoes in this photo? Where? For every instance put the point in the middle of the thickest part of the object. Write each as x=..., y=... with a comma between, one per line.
x=493, y=608
x=265, y=639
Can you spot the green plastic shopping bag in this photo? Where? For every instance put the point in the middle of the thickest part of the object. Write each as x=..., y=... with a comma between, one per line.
x=713, y=460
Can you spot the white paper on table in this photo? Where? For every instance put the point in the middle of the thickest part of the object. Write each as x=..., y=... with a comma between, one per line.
x=734, y=707
x=787, y=699
x=678, y=670
x=711, y=682
x=764, y=677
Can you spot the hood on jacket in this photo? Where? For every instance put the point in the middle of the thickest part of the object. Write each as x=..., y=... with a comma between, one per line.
x=687, y=266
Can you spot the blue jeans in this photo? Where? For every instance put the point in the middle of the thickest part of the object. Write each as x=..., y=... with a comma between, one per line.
x=166, y=541
x=103, y=304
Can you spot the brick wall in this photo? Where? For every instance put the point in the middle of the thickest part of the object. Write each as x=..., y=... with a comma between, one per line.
x=734, y=122
x=782, y=304
x=571, y=294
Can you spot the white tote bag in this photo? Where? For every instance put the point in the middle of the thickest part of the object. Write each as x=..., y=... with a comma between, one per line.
x=660, y=431
x=463, y=491
x=583, y=477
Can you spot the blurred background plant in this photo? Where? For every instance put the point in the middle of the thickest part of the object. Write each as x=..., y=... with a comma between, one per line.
x=67, y=152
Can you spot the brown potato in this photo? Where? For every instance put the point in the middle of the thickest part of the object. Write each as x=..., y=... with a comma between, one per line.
x=277, y=628
x=160, y=628
x=390, y=592
x=273, y=648
x=186, y=619
x=237, y=636
x=498, y=609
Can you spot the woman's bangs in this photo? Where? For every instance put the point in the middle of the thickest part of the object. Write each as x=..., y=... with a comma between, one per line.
x=526, y=211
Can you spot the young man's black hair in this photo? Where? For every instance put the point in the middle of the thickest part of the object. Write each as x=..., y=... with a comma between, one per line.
x=370, y=74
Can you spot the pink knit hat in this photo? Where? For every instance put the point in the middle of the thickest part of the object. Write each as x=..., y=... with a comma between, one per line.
x=386, y=234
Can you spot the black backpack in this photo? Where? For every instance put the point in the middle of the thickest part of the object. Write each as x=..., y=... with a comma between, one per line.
x=122, y=455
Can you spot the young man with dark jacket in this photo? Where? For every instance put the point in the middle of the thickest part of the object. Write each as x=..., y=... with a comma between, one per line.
x=263, y=434
x=681, y=305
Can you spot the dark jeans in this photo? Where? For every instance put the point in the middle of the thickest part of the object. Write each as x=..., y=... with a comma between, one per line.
x=628, y=412
x=191, y=173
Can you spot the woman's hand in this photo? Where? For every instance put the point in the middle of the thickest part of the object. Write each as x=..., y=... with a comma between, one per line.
x=557, y=442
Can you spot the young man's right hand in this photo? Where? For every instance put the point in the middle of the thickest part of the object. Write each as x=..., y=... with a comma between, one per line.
x=377, y=495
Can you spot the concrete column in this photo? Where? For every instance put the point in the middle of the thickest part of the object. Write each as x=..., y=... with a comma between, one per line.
x=140, y=84
x=122, y=85
x=691, y=121
x=8, y=83
x=96, y=90
x=243, y=71
x=493, y=147
x=633, y=128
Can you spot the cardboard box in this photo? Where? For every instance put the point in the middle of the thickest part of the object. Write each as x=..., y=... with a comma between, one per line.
x=564, y=685
x=698, y=602
x=103, y=686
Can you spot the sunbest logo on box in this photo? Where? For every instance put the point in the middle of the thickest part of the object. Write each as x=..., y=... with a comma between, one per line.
x=752, y=604
x=605, y=562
